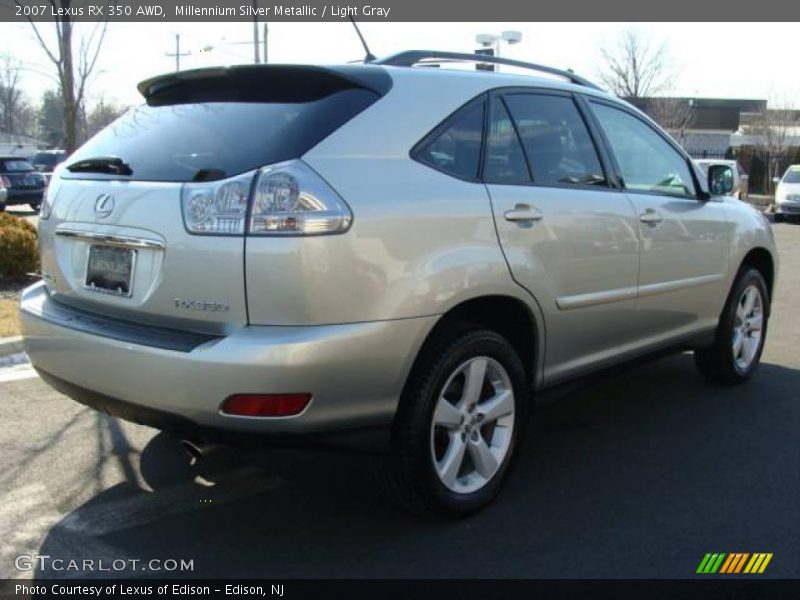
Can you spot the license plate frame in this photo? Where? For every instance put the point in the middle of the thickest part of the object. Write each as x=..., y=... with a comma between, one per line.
x=116, y=277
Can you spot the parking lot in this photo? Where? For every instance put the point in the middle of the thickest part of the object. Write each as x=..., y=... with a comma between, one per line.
x=638, y=473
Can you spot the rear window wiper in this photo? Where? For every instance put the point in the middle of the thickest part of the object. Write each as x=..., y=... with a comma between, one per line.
x=101, y=164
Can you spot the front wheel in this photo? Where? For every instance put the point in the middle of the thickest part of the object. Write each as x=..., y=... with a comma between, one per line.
x=741, y=332
x=35, y=206
x=458, y=423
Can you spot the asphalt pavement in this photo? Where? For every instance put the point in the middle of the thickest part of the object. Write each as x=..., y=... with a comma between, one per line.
x=635, y=474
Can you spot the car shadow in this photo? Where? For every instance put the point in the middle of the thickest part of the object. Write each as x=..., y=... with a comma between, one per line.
x=635, y=473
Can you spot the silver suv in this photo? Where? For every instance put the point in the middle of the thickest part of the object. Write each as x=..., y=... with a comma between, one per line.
x=298, y=250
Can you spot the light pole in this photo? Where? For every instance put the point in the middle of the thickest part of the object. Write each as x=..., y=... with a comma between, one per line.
x=493, y=41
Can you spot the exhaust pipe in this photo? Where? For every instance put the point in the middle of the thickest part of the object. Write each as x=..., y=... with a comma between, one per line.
x=198, y=449
x=208, y=456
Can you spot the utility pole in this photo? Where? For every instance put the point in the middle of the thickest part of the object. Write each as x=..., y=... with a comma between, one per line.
x=256, y=57
x=266, y=45
x=177, y=54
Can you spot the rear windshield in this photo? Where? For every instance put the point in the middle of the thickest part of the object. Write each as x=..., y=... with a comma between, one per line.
x=48, y=159
x=9, y=165
x=189, y=141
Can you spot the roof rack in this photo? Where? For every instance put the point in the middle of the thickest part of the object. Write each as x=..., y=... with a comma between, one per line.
x=410, y=58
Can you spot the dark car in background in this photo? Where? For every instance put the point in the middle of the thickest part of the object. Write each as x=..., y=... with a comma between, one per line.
x=24, y=185
x=47, y=160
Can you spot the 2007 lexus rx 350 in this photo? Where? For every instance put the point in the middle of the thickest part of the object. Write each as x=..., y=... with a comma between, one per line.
x=292, y=250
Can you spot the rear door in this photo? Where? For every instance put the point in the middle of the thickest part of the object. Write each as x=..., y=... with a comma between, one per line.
x=569, y=236
x=684, y=255
x=148, y=218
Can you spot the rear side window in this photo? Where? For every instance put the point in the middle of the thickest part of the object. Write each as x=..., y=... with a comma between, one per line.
x=556, y=141
x=455, y=148
x=505, y=160
x=188, y=140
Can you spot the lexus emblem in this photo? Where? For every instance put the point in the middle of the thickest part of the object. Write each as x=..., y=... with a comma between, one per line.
x=103, y=205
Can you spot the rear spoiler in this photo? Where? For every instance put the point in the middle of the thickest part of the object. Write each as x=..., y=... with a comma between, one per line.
x=262, y=83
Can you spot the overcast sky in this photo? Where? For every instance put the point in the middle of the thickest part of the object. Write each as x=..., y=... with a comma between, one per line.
x=728, y=60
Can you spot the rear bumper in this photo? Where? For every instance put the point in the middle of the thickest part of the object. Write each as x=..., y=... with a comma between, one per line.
x=355, y=372
x=23, y=196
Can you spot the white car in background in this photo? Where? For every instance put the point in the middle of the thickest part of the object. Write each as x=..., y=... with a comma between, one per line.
x=787, y=195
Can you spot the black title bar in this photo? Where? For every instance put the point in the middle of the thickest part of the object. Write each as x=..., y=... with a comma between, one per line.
x=400, y=10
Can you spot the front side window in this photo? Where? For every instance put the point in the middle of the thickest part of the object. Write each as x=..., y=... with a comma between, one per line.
x=456, y=149
x=647, y=162
x=557, y=143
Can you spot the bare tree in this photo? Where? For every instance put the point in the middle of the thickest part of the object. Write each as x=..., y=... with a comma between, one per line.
x=673, y=114
x=72, y=75
x=14, y=109
x=774, y=136
x=635, y=67
x=103, y=114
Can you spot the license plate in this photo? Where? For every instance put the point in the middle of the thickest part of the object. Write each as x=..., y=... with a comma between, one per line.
x=109, y=270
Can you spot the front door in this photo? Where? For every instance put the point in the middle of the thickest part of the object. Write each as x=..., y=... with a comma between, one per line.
x=684, y=239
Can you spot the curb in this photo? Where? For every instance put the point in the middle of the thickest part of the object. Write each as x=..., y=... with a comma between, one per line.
x=11, y=345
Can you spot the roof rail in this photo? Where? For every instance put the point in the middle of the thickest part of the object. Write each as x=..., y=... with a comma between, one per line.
x=411, y=57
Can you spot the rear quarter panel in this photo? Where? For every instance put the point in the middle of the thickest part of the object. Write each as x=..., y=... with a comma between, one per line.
x=421, y=241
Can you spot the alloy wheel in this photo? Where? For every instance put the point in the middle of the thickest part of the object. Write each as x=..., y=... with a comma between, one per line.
x=473, y=424
x=747, y=327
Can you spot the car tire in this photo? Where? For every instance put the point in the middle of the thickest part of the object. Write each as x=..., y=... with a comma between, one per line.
x=452, y=442
x=778, y=217
x=35, y=206
x=740, y=335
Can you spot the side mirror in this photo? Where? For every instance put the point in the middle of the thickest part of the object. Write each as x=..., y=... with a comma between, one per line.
x=776, y=180
x=720, y=180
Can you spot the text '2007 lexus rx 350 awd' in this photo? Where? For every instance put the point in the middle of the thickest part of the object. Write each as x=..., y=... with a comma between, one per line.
x=301, y=250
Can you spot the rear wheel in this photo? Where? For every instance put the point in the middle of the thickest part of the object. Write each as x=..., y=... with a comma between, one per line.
x=740, y=336
x=458, y=423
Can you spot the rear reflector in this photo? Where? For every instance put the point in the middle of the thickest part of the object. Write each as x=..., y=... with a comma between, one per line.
x=265, y=405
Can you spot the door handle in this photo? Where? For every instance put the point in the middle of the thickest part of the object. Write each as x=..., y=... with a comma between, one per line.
x=523, y=213
x=651, y=216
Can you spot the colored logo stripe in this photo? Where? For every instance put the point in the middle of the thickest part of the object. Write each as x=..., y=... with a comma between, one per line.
x=734, y=563
x=758, y=563
x=710, y=563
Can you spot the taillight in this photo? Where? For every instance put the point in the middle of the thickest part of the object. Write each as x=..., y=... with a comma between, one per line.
x=50, y=195
x=288, y=198
x=265, y=405
x=291, y=199
x=216, y=208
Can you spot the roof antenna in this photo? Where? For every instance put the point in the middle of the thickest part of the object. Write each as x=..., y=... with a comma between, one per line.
x=370, y=57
